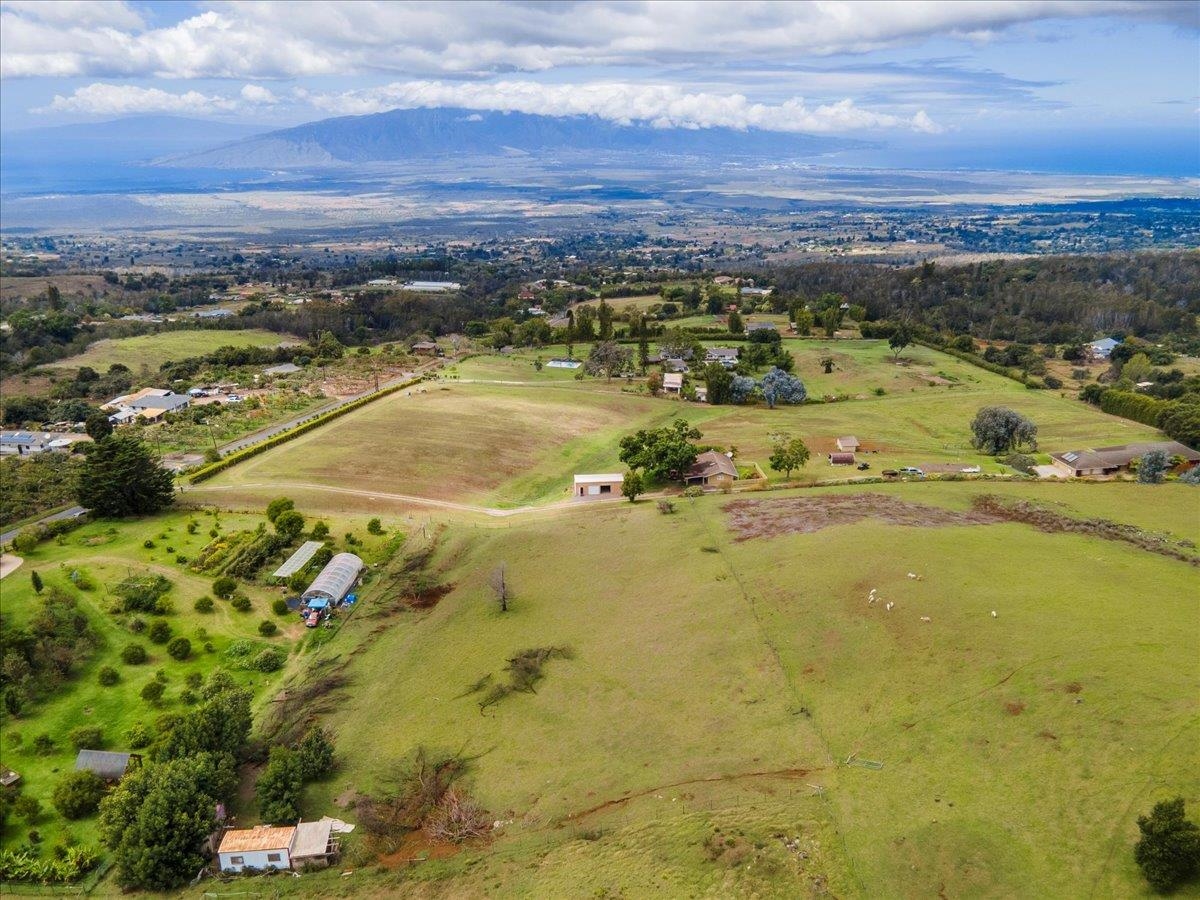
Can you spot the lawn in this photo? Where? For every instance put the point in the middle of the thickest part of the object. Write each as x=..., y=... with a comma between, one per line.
x=152, y=350
x=749, y=686
x=105, y=553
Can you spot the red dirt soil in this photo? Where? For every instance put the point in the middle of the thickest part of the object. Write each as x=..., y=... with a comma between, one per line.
x=804, y=515
x=417, y=846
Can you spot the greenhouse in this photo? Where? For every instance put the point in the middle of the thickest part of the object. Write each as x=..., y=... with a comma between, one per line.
x=336, y=579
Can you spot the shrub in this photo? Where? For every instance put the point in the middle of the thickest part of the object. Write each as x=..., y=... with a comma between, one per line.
x=133, y=655
x=320, y=531
x=277, y=506
x=108, y=676
x=43, y=744
x=179, y=648
x=269, y=660
x=164, y=606
x=241, y=603
x=224, y=587
x=180, y=559
x=28, y=808
x=289, y=524
x=140, y=593
x=203, y=605
x=87, y=737
x=153, y=691
x=137, y=624
x=666, y=507
x=138, y=736
x=279, y=606
x=78, y=794
x=160, y=632
x=267, y=628
x=191, y=527
x=316, y=755
x=239, y=649
x=1168, y=852
x=148, y=544
x=374, y=527
x=188, y=696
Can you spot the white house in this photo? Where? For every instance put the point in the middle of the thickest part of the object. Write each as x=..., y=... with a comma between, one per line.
x=595, y=487
x=272, y=847
x=265, y=847
x=1103, y=348
x=848, y=444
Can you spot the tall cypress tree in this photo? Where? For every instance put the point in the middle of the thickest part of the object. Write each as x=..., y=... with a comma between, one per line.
x=122, y=478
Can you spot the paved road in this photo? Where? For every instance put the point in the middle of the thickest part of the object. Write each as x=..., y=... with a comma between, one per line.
x=262, y=435
x=58, y=516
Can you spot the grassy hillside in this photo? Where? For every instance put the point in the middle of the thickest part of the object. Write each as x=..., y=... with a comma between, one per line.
x=501, y=433
x=152, y=350
x=736, y=719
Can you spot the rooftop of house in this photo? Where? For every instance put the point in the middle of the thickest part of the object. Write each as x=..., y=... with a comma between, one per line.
x=1105, y=343
x=848, y=440
x=673, y=380
x=172, y=401
x=1123, y=454
x=608, y=478
x=722, y=352
x=264, y=837
x=710, y=463
x=761, y=326
x=311, y=838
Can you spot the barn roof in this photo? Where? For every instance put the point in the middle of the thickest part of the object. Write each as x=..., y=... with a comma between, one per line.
x=264, y=837
x=336, y=578
x=104, y=763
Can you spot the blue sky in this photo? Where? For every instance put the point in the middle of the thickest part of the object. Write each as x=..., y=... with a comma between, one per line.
x=931, y=79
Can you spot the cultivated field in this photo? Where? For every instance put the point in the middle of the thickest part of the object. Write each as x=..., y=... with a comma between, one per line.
x=734, y=718
x=500, y=433
x=152, y=350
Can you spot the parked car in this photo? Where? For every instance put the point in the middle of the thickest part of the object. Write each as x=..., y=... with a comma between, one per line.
x=313, y=620
x=912, y=470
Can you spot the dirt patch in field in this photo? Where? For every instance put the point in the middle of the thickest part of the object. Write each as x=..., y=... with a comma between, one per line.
x=1014, y=707
x=804, y=515
x=418, y=846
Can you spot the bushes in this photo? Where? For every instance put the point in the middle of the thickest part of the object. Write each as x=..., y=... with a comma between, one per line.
x=224, y=587
x=141, y=593
x=179, y=648
x=267, y=628
x=108, y=676
x=133, y=655
x=87, y=737
x=278, y=788
x=316, y=755
x=160, y=632
x=269, y=660
x=374, y=527
x=279, y=606
x=78, y=794
x=203, y=605
x=23, y=865
x=241, y=603
x=1129, y=405
x=153, y=691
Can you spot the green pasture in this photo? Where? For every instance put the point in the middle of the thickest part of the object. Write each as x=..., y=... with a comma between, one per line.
x=106, y=553
x=152, y=350
x=748, y=686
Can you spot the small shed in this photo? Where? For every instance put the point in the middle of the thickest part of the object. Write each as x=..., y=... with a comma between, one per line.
x=672, y=383
x=109, y=766
x=841, y=459
x=335, y=580
x=8, y=777
x=313, y=843
x=848, y=444
x=595, y=487
x=426, y=348
x=265, y=847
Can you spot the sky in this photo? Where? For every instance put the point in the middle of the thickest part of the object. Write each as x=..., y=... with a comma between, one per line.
x=1119, y=77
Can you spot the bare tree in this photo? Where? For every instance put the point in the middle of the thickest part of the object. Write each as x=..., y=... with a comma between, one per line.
x=499, y=584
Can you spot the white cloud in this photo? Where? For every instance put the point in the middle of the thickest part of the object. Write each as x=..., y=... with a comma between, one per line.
x=285, y=39
x=257, y=95
x=119, y=99
x=660, y=105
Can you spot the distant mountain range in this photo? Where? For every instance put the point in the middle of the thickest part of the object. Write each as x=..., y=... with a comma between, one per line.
x=403, y=134
x=136, y=139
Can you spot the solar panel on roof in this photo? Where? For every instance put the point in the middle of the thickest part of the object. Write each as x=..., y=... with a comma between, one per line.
x=1071, y=457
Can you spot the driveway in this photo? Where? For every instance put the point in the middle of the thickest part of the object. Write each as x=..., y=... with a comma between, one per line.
x=73, y=512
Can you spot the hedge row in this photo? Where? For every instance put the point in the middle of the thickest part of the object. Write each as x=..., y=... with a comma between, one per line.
x=1128, y=405
x=233, y=459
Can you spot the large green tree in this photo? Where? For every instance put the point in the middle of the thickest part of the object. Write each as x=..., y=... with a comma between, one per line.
x=278, y=788
x=662, y=453
x=1168, y=852
x=156, y=820
x=998, y=429
x=122, y=478
x=788, y=453
x=608, y=358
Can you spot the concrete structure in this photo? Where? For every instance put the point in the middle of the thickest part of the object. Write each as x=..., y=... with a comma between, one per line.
x=595, y=487
x=335, y=580
x=672, y=383
x=712, y=469
x=1111, y=460
x=109, y=766
x=848, y=444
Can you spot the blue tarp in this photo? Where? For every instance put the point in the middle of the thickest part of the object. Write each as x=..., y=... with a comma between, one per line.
x=318, y=603
x=351, y=598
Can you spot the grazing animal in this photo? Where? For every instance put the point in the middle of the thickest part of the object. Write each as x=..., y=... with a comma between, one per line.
x=993, y=614
x=871, y=602
x=889, y=606
x=926, y=619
